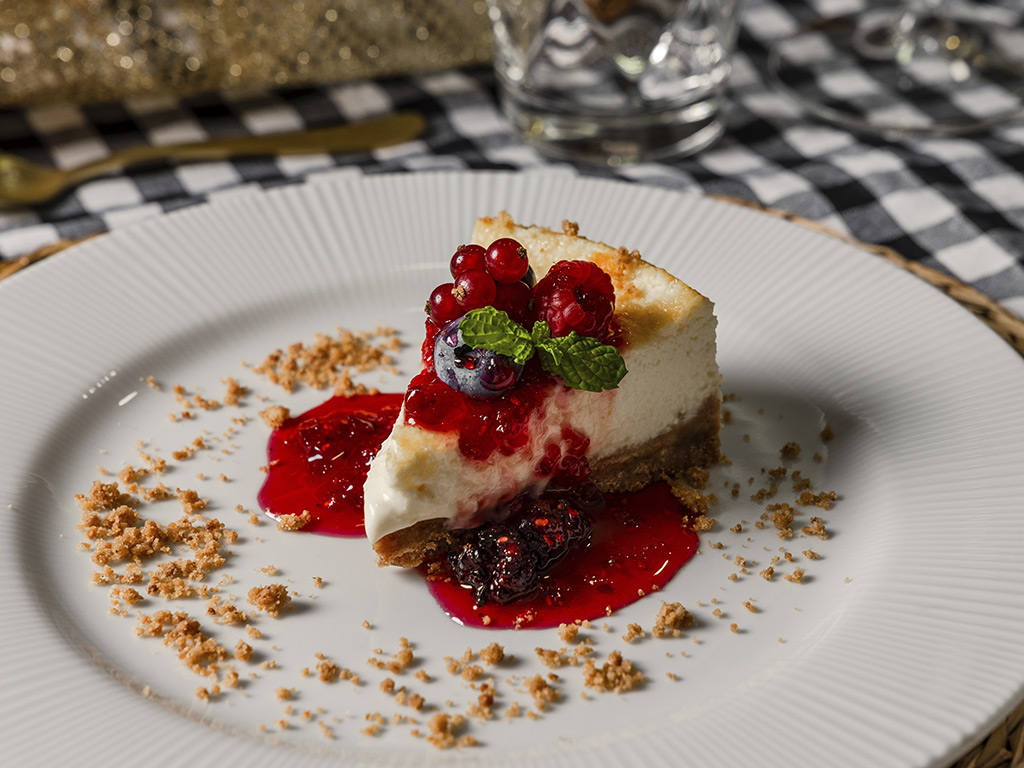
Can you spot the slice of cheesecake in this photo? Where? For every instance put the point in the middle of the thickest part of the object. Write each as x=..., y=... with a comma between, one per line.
x=424, y=486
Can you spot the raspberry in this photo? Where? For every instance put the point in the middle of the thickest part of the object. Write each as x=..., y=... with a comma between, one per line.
x=575, y=296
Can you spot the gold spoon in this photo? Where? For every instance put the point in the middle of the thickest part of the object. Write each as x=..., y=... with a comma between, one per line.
x=25, y=183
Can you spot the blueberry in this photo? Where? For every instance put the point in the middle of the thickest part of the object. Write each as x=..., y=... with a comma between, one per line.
x=530, y=278
x=474, y=371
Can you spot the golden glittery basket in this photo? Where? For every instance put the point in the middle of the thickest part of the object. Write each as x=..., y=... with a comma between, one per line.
x=103, y=50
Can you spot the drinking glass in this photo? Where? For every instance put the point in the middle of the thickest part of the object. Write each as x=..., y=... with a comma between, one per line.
x=614, y=81
x=918, y=67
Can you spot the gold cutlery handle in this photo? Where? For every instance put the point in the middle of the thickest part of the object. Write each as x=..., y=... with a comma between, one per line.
x=370, y=134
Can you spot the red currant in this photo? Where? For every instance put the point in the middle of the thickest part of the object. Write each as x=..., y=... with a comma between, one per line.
x=506, y=260
x=514, y=298
x=473, y=289
x=442, y=306
x=467, y=257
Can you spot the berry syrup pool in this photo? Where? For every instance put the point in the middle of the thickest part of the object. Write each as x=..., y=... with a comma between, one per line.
x=318, y=463
x=639, y=541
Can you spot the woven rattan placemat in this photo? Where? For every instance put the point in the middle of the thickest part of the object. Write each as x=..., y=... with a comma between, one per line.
x=1004, y=747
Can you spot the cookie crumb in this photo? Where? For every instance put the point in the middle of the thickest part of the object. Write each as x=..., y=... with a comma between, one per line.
x=551, y=658
x=542, y=691
x=443, y=728
x=275, y=415
x=816, y=528
x=633, y=632
x=492, y=654
x=568, y=632
x=617, y=674
x=797, y=576
x=294, y=522
x=823, y=499
x=672, y=618
x=399, y=661
x=327, y=670
x=270, y=598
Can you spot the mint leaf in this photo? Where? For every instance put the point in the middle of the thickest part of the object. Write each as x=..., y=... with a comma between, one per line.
x=493, y=329
x=582, y=362
x=549, y=348
x=541, y=332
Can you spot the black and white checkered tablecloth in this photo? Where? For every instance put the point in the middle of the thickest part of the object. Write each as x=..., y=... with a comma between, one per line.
x=955, y=204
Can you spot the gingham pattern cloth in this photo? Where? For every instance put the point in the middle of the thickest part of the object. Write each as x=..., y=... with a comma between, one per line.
x=954, y=204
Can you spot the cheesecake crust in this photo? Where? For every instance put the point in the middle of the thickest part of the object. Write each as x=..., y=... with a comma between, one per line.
x=691, y=443
x=410, y=547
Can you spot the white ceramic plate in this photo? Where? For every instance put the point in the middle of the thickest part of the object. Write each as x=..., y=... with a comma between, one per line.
x=901, y=647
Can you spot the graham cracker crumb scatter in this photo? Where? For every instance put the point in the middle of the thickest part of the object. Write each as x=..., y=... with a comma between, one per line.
x=124, y=542
x=329, y=361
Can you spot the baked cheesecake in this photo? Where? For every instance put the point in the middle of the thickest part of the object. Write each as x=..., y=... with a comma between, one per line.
x=454, y=460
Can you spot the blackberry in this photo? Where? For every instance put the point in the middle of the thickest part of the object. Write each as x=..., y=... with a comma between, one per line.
x=496, y=565
x=515, y=570
x=548, y=535
x=503, y=562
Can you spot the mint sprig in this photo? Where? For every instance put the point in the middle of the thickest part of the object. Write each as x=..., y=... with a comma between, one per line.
x=582, y=362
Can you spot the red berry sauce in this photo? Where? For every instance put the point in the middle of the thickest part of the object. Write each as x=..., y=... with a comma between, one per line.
x=485, y=426
x=639, y=542
x=319, y=460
